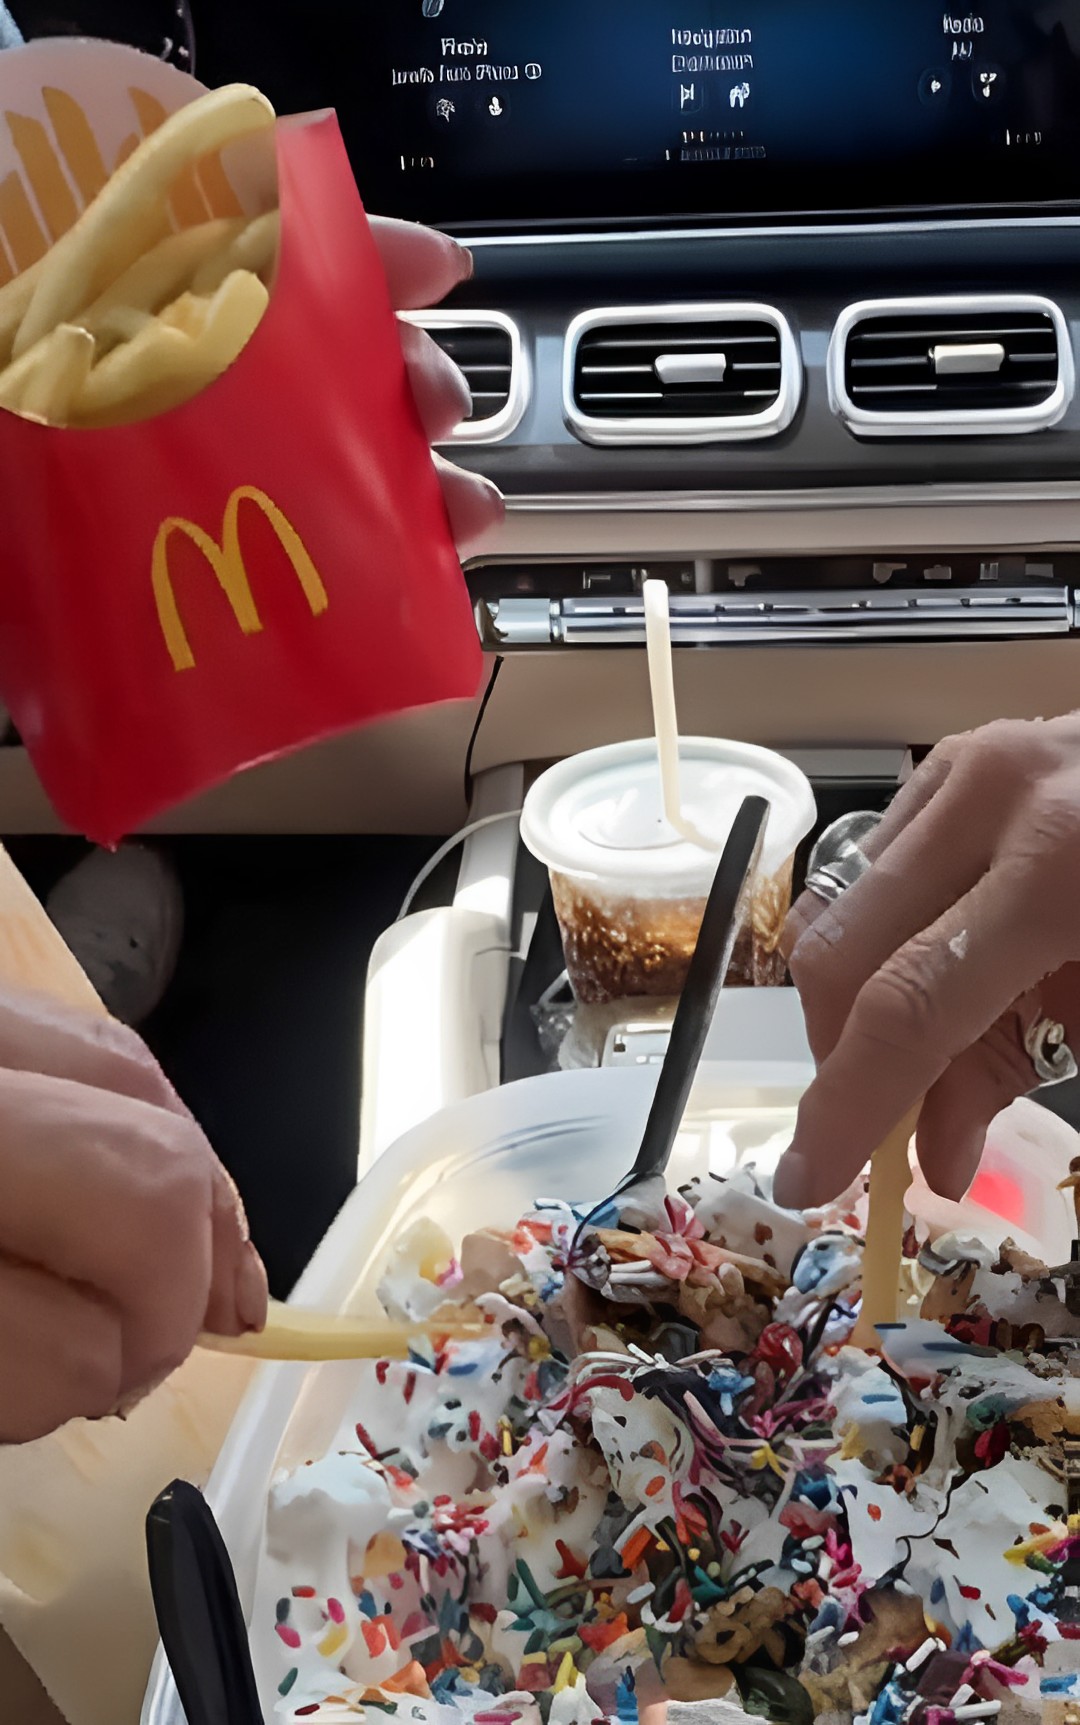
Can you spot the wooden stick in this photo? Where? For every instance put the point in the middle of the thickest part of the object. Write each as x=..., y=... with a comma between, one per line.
x=890, y=1177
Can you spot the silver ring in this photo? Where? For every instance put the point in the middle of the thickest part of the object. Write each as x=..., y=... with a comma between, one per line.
x=837, y=860
x=832, y=881
x=1050, y=1055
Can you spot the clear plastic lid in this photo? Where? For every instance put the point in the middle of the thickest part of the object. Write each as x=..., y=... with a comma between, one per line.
x=599, y=815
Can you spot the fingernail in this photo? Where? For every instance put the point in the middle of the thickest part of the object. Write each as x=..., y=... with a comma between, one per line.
x=250, y=1291
x=466, y=261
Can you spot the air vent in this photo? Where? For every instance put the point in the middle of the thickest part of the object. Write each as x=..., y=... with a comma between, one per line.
x=949, y=367
x=486, y=345
x=680, y=374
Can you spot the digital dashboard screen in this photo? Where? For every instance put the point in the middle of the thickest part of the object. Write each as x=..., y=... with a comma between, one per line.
x=519, y=112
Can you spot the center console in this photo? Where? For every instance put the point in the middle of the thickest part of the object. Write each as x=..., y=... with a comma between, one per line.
x=470, y=991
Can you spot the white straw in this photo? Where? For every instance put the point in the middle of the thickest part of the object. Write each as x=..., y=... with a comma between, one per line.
x=665, y=719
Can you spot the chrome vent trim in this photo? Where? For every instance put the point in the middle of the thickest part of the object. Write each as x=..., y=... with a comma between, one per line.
x=948, y=321
x=772, y=619
x=645, y=428
x=508, y=382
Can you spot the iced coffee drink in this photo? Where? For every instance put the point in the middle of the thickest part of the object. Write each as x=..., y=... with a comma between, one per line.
x=630, y=893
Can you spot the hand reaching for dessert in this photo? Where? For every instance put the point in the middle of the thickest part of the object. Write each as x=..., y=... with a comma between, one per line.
x=422, y=267
x=924, y=978
x=121, y=1235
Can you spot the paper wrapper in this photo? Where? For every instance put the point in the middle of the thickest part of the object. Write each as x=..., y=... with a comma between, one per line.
x=266, y=565
x=74, y=1593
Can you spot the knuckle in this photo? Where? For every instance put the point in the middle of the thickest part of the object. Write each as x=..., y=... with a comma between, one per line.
x=1055, y=816
x=948, y=749
x=117, y=1043
x=896, y=1008
x=174, y=1344
x=413, y=341
x=177, y=1192
x=1000, y=1065
x=424, y=356
x=96, y=1379
x=116, y=1039
x=818, y=959
x=805, y=965
x=189, y=1170
x=1042, y=858
x=1001, y=754
x=991, y=766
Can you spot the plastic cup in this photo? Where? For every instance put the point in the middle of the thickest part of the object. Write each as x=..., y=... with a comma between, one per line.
x=629, y=892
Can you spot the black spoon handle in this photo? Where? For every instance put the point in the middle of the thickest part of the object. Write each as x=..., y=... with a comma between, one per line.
x=704, y=980
x=198, y=1610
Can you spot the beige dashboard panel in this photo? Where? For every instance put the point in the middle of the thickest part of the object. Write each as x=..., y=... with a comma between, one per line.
x=406, y=775
x=796, y=523
x=550, y=703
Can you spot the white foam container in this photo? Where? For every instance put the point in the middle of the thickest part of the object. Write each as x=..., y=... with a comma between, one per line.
x=484, y=1161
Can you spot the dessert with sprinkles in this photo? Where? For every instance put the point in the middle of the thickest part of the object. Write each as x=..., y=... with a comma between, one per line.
x=665, y=1477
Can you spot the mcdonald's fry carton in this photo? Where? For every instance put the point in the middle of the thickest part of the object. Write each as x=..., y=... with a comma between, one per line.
x=205, y=580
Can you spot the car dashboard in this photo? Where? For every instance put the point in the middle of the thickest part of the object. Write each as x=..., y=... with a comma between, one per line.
x=775, y=301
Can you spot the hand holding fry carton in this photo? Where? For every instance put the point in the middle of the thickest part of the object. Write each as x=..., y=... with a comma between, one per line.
x=224, y=535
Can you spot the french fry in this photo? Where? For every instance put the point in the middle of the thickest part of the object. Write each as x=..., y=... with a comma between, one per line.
x=44, y=383
x=254, y=248
x=173, y=356
x=110, y=235
x=292, y=1333
x=154, y=280
x=188, y=314
x=66, y=359
x=17, y=294
x=15, y=297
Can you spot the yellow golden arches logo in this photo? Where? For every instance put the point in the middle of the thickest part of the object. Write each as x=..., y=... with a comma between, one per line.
x=227, y=562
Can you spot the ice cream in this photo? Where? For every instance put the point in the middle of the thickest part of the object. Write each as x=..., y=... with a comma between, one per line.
x=665, y=1473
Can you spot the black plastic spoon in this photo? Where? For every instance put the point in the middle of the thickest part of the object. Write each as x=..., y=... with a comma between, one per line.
x=200, y=1618
x=697, y=1003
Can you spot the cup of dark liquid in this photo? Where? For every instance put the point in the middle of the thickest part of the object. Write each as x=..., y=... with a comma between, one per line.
x=630, y=893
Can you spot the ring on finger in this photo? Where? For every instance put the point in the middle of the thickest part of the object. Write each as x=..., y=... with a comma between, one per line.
x=837, y=860
x=1049, y=1052
x=832, y=881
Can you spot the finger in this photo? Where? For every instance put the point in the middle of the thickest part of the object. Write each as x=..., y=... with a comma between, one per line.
x=421, y=266
x=931, y=863
x=443, y=398
x=970, y=1094
x=910, y=800
x=60, y=1354
x=985, y=1080
x=238, y=1289
x=117, y=1196
x=927, y=1004
x=474, y=506
x=38, y=1035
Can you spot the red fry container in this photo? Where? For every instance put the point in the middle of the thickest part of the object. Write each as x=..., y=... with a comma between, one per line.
x=266, y=565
